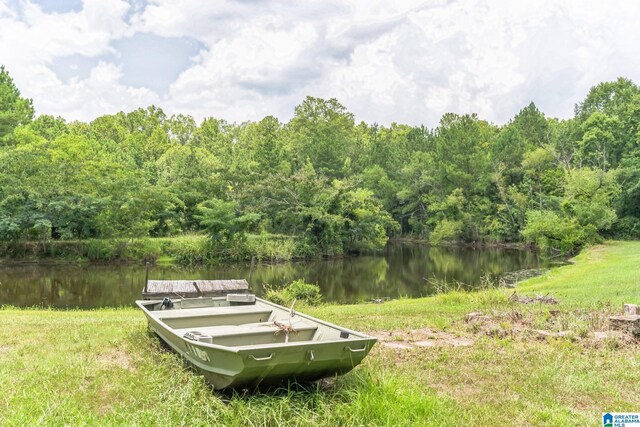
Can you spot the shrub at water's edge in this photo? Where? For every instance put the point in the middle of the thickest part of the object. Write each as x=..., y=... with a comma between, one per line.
x=298, y=291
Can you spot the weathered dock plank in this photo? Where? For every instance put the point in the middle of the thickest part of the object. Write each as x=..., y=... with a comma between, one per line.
x=193, y=288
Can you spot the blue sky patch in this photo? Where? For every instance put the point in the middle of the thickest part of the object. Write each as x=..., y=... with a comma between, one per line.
x=146, y=60
x=76, y=66
x=59, y=6
x=154, y=62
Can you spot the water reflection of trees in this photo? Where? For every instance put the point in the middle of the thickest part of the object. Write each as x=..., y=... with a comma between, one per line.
x=67, y=286
x=399, y=271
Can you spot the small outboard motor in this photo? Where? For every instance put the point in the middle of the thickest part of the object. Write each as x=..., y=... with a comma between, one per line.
x=166, y=303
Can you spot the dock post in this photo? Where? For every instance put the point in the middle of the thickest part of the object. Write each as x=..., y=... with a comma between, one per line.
x=146, y=278
x=253, y=260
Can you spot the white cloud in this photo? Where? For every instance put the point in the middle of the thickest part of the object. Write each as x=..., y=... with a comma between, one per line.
x=39, y=37
x=32, y=39
x=100, y=93
x=405, y=61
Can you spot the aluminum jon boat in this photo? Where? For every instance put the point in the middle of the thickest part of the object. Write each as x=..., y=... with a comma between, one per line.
x=244, y=341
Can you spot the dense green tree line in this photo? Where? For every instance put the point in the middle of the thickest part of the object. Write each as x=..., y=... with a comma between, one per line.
x=334, y=184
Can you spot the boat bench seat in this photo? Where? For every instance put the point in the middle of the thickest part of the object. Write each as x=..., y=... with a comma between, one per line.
x=254, y=333
x=248, y=328
x=196, y=317
x=208, y=311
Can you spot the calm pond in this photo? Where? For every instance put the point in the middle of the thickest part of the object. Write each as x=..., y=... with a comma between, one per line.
x=397, y=271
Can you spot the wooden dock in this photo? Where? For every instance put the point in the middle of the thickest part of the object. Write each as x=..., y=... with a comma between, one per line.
x=157, y=289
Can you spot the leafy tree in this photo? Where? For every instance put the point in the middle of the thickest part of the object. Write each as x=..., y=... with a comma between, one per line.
x=608, y=98
x=192, y=175
x=131, y=210
x=108, y=130
x=217, y=137
x=611, y=111
x=588, y=198
x=551, y=231
x=535, y=164
x=75, y=216
x=417, y=183
x=527, y=131
x=264, y=140
x=627, y=205
x=449, y=217
x=14, y=110
x=510, y=208
x=182, y=128
x=599, y=146
x=586, y=212
x=222, y=220
x=375, y=178
x=460, y=153
x=532, y=126
x=563, y=146
x=49, y=127
x=321, y=131
x=367, y=224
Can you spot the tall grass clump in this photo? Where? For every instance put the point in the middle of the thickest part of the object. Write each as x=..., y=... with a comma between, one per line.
x=187, y=250
x=145, y=249
x=294, y=291
x=271, y=247
x=105, y=249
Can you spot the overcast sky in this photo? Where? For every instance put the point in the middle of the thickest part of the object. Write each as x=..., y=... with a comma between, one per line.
x=387, y=61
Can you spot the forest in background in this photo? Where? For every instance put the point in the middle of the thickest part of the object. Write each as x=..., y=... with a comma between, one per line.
x=322, y=181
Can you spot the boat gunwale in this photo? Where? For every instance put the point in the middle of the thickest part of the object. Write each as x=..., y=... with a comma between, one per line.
x=359, y=336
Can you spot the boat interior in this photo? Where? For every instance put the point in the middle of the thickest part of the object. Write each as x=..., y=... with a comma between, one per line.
x=241, y=320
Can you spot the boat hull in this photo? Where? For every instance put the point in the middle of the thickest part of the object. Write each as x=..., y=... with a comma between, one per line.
x=245, y=364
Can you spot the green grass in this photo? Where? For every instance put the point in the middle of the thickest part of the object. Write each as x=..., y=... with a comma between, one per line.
x=103, y=368
x=607, y=274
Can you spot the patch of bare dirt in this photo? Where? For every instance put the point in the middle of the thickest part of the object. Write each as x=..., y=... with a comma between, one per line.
x=544, y=334
x=116, y=358
x=397, y=344
x=589, y=328
x=86, y=382
x=615, y=339
x=542, y=299
x=421, y=338
x=501, y=326
x=5, y=349
x=105, y=407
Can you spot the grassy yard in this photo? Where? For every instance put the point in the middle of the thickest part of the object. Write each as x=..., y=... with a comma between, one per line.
x=514, y=364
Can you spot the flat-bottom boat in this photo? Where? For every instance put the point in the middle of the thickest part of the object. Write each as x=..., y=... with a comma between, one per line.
x=244, y=341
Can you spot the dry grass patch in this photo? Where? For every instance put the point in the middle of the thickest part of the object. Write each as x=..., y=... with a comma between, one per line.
x=423, y=338
x=116, y=358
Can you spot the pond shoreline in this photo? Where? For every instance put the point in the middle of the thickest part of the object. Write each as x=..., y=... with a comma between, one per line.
x=169, y=250
x=462, y=244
